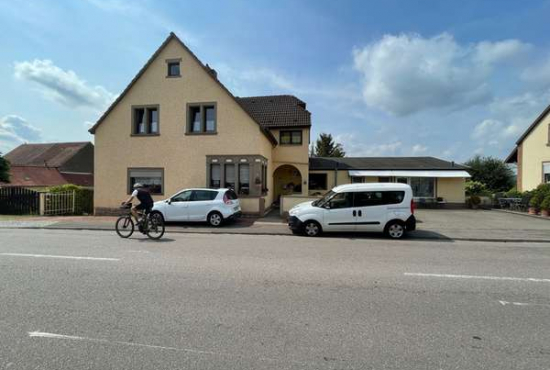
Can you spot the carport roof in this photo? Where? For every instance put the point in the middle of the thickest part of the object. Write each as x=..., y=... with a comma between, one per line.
x=383, y=163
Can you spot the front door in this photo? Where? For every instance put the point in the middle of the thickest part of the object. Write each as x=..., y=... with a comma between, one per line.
x=340, y=216
x=178, y=208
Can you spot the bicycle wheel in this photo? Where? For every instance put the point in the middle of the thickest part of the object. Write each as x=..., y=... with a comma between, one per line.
x=154, y=225
x=124, y=226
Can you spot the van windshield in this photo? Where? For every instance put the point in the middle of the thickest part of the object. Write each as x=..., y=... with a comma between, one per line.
x=324, y=200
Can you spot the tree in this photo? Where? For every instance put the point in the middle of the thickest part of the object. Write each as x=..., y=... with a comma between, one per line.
x=4, y=169
x=326, y=147
x=492, y=172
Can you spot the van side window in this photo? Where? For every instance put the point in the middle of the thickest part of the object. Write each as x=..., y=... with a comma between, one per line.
x=393, y=197
x=368, y=198
x=377, y=198
x=341, y=200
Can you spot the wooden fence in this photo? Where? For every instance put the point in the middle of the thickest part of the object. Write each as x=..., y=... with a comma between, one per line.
x=19, y=201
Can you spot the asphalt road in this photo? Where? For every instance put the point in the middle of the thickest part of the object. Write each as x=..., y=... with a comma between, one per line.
x=90, y=300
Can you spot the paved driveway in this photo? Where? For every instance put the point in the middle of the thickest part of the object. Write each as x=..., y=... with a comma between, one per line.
x=482, y=225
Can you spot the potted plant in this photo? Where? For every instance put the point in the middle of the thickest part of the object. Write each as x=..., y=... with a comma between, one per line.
x=545, y=206
x=535, y=202
x=475, y=201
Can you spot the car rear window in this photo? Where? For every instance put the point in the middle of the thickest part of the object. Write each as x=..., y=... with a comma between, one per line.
x=204, y=195
x=230, y=194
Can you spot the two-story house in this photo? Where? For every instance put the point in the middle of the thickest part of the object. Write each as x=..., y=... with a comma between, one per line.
x=177, y=126
x=532, y=154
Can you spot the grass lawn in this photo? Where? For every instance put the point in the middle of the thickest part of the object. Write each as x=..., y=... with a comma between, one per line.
x=16, y=217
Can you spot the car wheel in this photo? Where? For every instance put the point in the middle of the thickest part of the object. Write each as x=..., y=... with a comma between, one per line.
x=215, y=219
x=312, y=228
x=395, y=229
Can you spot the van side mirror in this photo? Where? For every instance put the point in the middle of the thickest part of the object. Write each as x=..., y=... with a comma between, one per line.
x=169, y=201
x=327, y=205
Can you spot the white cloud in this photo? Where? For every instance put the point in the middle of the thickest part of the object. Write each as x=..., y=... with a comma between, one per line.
x=409, y=73
x=15, y=130
x=64, y=87
x=355, y=148
x=489, y=53
x=419, y=149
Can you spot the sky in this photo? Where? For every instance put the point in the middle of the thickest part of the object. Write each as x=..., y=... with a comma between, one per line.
x=449, y=79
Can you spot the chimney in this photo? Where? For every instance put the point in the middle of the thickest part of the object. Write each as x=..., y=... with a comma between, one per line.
x=212, y=71
x=452, y=163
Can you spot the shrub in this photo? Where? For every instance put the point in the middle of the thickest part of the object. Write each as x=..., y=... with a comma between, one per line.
x=475, y=188
x=538, y=195
x=545, y=205
x=514, y=193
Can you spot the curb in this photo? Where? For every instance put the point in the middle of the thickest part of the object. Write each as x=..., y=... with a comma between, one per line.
x=435, y=238
x=521, y=214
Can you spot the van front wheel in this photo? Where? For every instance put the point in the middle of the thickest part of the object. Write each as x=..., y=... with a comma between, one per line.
x=312, y=228
x=395, y=229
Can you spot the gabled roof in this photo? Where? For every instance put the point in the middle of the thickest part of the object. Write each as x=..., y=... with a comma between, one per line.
x=277, y=110
x=208, y=71
x=34, y=176
x=44, y=155
x=513, y=156
x=382, y=163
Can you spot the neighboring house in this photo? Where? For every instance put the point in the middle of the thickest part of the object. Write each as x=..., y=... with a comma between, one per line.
x=532, y=154
x=41, y=166
x=177, y=126
x=430, y=178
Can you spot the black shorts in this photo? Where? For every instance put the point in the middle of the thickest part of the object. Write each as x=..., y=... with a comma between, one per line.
x=144, y=207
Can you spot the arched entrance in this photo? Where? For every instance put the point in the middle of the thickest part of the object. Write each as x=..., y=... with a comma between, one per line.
x=287, y=180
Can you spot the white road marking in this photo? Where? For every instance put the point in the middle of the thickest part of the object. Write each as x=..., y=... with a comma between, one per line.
x=62, y=257
x=504, y=303
x=535, y=280
x=39, y=334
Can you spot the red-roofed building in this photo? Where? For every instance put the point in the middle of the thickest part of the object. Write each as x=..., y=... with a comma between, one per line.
x=51, y=164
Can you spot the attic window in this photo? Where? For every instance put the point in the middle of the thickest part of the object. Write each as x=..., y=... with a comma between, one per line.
x=173, y=68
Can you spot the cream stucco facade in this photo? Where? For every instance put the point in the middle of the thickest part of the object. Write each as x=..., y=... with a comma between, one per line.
x=452, y=190
x=533, y=155
x=179, y=155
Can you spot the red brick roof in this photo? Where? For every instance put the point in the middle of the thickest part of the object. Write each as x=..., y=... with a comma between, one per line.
x=34, y=176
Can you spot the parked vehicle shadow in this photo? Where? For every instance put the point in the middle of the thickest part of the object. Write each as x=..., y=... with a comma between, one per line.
x=231, y=224
x=424, y=235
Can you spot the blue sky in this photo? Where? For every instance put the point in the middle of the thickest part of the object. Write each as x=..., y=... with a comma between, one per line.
x=387, y=78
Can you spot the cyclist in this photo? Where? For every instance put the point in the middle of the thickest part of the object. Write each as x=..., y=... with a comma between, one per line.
x=145, y=200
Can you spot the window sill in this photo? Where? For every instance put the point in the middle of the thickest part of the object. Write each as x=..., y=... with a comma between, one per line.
x=175, y=76
x=201, y=133
x=291, y=144
x=145, y=134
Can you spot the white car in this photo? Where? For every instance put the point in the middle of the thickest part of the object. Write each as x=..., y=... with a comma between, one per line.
x=211, y=205
x=372, y=207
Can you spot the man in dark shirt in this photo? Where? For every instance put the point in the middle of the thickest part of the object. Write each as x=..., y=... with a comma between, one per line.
x=145, y=200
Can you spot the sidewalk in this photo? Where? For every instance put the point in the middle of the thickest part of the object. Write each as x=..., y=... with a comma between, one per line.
x=432, y=225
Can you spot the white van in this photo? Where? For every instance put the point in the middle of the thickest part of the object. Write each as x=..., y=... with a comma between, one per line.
x=373, y=207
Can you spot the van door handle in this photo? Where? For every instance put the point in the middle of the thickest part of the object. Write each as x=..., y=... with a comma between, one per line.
x=360, y=213
x=354, y=213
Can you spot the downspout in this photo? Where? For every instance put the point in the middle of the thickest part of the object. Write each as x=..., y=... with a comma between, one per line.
x=336, y=173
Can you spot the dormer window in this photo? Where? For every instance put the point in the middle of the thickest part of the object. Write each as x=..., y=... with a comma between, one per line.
x=290, y=137
x=173, y=66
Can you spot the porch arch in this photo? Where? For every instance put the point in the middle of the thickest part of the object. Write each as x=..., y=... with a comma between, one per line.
x=287, y=180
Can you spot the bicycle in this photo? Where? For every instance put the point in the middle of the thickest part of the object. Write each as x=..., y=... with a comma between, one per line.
x=151, y=224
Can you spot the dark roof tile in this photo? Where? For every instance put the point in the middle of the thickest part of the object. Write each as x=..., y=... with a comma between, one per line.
x=49, y=154
x=382, y=163
x=277, y=110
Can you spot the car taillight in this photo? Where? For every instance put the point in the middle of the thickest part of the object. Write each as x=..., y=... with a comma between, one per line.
x=412, y=206
x=226, y=199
